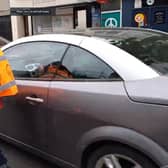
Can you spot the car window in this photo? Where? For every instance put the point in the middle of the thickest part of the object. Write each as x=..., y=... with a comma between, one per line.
x=81, y=64
x=150, y=50
x=35, y=59
x=150, y=47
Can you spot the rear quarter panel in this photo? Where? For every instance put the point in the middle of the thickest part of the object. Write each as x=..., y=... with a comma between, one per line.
x=75, y=108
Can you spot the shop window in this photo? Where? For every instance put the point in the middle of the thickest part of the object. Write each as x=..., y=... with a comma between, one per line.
x=5, y=27
x=62, y=22
x=42, y=24
x=80, y=64
x=35, y=59
x=111, y=5
x=63, y=19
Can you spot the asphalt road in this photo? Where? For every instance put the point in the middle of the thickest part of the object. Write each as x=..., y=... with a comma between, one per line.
x=20, y=159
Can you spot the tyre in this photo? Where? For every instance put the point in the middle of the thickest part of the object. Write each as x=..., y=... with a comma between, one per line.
x=118, y=156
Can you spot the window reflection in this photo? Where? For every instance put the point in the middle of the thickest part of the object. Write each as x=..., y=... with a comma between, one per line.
x=35, y=59
x=80, y=64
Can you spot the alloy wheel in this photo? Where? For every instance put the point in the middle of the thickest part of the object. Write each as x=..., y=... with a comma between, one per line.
x=116, y=161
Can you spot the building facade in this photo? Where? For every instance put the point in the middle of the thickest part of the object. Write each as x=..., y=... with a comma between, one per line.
x=5, y=20
x=151, y=14
x=47, y=16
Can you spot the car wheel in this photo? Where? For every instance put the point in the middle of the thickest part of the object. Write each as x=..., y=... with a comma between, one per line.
x=118, y=156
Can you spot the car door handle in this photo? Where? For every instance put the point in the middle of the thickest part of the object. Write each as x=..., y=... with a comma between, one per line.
x=34, y=99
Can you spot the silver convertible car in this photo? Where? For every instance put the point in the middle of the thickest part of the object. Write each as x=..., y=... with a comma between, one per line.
x=97, y=100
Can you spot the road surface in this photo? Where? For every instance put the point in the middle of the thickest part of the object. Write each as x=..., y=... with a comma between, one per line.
x=20, y=159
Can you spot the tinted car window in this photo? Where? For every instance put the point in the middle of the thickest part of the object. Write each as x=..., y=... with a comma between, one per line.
x=150, y=47
x=34, y=60
x=80, y=64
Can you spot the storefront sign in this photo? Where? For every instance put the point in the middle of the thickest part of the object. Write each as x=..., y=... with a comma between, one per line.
x=31, y=11
x=111, y=19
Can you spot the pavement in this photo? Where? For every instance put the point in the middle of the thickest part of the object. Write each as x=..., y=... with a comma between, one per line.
x=19, y=159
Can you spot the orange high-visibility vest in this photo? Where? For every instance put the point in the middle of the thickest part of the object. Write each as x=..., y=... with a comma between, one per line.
x=7, y=82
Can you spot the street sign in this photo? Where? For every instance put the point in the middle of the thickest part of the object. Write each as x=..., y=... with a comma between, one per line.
x=111, y=19
x=31, y=11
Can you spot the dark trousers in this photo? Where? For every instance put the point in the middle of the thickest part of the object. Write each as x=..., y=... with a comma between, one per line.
x=3, y=160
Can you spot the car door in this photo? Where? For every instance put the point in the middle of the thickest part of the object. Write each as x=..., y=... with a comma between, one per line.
x=24, y=117
x=82, y=85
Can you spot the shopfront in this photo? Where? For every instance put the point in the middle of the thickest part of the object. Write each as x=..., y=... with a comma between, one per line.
x=59, y=18
x=67, y=18
x=146, y=13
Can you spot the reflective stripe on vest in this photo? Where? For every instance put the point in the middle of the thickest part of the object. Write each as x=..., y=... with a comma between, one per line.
x=7, y=86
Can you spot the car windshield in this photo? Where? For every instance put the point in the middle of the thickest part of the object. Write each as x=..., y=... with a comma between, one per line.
x=148, y=46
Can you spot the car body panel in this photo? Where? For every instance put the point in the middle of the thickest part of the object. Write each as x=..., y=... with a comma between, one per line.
x=77, y=108
x=124, y=136
x=25, y=120
x=147, y=91
x=73, y=111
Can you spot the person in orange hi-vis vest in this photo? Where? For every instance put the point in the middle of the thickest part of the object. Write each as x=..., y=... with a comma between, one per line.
x=7, y=88
x=7, y=82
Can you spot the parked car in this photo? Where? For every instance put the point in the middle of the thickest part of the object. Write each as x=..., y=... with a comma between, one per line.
x=94, y=101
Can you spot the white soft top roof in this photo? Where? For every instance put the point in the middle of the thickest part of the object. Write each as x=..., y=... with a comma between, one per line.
x=65, y=38
x=126, y=65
